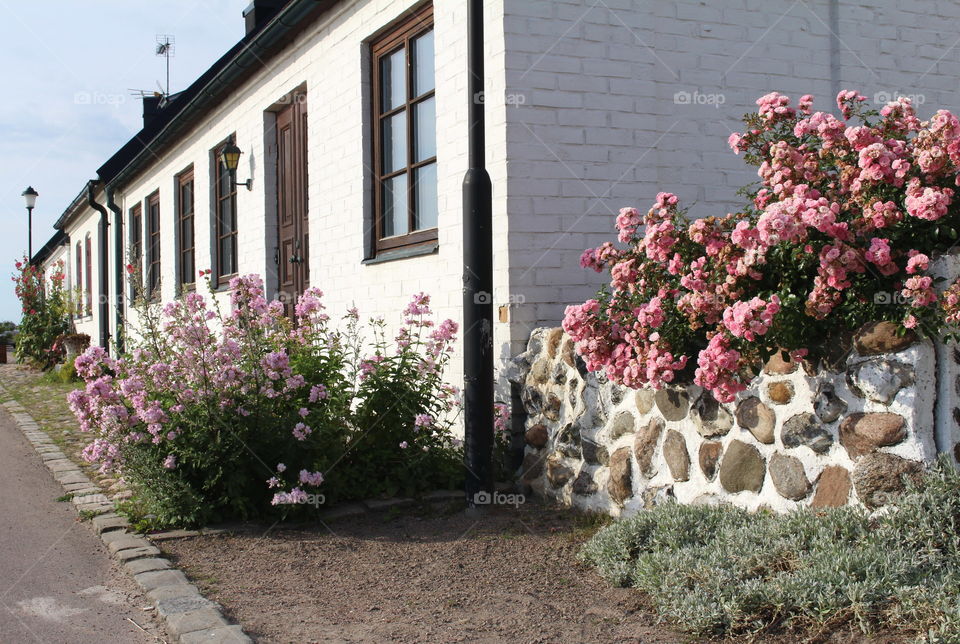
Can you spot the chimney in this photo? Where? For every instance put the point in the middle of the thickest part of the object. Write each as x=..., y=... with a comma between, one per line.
x=151, y=107
x=259, y=12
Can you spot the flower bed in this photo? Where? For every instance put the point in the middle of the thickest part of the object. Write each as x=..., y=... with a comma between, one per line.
x=213, y=415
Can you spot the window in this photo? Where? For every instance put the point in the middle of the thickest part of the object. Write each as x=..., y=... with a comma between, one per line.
x=78, y=282
x=225, y=219
x=185, y=241
x=89, y=283
x=404, y=134
x=136, y=247
x=153, y=245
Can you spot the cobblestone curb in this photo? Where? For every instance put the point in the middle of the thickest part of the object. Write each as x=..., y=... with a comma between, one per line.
x=190, y=617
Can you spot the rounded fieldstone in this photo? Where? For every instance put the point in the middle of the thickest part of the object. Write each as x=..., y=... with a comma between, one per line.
x=879, y=477
x=623, y=423
x=539, y=372
x=552, y=409
x=788, y=476
x=879, y=380
x=757, y=418
x=780, y=364
x=804, y=429
x=709, y=456
x=643, y=399
x=828, y=405
x=881, y=337
x=568, y=440
x=593, y=453
x=620, y=483
x=673, y=403
x=560, y=374
x=585, y=485
x=554, y=337
x=645, y=445
x=780, y=392
x=537, y=435
x=676, y=456
x=567, y=353
x=532, y=400
x=862, y=433
x=532, y=466
x=558, y=472
x=833, y=488
x=710, y=417
x=742, y=468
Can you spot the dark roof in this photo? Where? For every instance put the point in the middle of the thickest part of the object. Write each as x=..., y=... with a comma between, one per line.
x=186, y=107
x=56, y=240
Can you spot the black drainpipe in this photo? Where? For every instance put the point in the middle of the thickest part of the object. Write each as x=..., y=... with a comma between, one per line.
x=477, y=280
x=104, y=323
x=118, y=266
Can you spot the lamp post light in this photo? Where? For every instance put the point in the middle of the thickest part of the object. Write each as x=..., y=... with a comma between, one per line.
x=30, y=198
x=230, y=158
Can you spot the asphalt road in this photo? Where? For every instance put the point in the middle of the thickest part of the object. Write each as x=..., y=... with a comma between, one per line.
x=57, y=581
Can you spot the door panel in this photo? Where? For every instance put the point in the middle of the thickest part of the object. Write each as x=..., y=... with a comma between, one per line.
x=292, y=255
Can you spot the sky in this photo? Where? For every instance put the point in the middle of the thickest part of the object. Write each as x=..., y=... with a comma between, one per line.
x=66, y=103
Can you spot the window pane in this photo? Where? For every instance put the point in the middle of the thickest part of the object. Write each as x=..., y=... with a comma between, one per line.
x=225, y=184
x=394, y=138
x=423, y=64
x=186, y=234
x=393, y=86
x=226, y=256
x=425, y=130
x=188, y=272
x=226, y=217
x=425, y=197
x=395, y=206
x=186, y=198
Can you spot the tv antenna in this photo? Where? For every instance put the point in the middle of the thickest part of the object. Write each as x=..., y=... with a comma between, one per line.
x=165, y=43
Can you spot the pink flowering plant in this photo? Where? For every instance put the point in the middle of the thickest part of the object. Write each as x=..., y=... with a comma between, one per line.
x=839, y=231
x=45, y=310
x=214, y=415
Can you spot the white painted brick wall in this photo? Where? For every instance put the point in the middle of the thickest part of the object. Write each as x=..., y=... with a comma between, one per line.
x=600, y=130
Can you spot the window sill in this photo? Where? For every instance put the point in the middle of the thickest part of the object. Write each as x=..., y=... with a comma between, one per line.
x=402, y=253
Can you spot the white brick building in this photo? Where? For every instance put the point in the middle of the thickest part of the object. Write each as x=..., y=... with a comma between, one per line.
x=591, y=105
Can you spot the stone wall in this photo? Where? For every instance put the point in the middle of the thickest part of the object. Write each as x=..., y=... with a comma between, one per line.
x=841, y=434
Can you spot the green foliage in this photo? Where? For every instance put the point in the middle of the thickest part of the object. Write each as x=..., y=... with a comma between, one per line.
x=8, y=332
x=723, y=571
x=45, y=314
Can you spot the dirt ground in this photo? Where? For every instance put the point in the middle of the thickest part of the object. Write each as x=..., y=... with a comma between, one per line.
x=428, y=575
x=418, y=576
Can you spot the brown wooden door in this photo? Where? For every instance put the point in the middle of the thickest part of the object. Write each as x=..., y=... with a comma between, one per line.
x=293, y=251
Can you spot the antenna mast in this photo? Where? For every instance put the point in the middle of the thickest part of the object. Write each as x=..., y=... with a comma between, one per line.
x=164, y=48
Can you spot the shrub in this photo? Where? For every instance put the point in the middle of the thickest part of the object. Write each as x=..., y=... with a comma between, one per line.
x=44, y=314
x=723, y=571
x=839, y=232
x=213, y=416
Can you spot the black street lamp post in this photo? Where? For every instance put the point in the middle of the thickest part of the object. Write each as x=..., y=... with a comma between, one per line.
x=30, y=198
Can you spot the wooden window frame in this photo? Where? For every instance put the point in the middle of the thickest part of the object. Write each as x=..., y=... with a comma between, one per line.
x=398, y=36
x=220, y=174
x=135, y=215
x=78, y=281
x=152, y=273
x=186, y=279
x=88, y=281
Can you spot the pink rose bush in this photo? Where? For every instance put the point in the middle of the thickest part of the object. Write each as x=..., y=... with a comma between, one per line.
x=205, y=404
x=837, y=233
